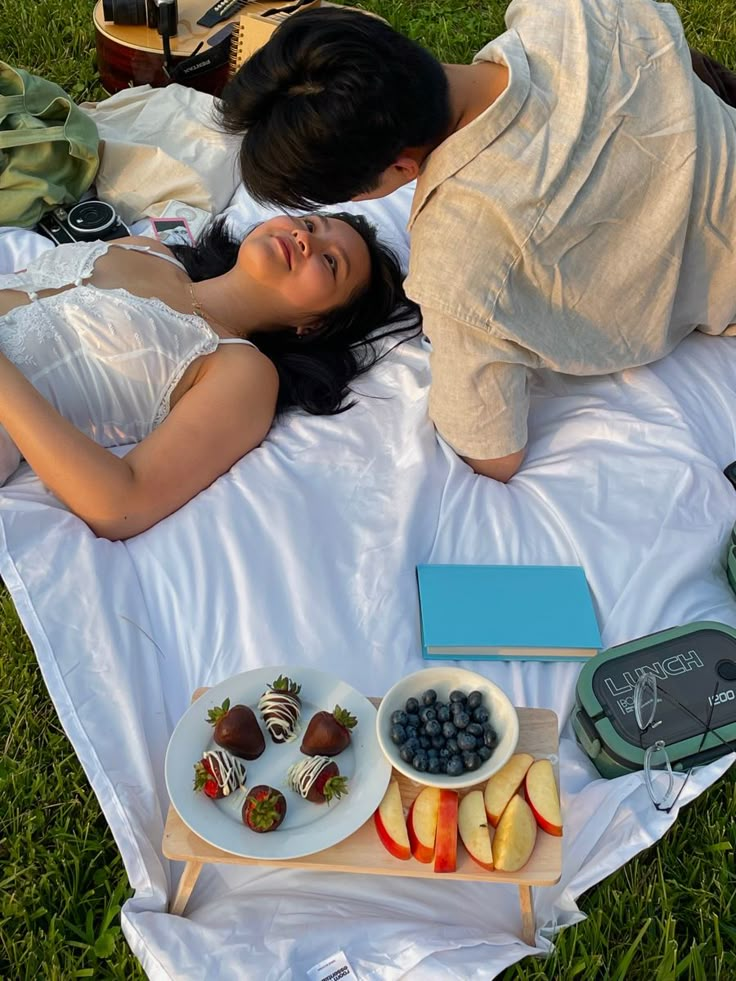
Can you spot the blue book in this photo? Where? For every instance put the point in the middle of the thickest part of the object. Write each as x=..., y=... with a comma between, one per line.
x=506, y=612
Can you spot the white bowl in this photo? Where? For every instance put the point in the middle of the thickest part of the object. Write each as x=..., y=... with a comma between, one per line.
x=444, y=680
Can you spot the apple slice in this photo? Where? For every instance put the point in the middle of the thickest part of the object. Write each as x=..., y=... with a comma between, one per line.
x=445, y=848
x=540, y=788
x=502, y=786
x=390, y=823
x=473, y=827
x=422, y=823
x=513, y=842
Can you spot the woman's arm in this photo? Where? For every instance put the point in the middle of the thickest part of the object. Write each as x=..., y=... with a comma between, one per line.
x=227, y=412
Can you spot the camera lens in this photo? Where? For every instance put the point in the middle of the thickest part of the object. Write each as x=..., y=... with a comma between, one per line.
x=126, y=12
x=91, y=219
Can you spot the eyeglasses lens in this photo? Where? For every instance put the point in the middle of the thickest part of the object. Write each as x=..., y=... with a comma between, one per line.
x=731, y=567
x=645, y=700
x=656, y=758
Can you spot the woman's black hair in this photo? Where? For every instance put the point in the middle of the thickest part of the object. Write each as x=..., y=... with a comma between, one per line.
x=316, y=369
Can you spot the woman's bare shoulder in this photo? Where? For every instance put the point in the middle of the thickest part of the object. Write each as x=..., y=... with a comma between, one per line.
x=242, y=363
x=240, y=358
x=234, y=384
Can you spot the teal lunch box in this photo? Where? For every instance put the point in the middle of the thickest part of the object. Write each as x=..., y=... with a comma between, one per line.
x=695, y=667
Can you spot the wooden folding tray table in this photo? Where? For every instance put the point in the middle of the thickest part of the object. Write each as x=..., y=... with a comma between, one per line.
x=362, y=852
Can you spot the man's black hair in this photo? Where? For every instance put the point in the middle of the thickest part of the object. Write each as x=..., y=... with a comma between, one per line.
x=328, y=104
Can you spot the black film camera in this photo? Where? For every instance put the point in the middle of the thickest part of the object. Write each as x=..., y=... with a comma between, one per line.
x=160, y=15
x=87, y=221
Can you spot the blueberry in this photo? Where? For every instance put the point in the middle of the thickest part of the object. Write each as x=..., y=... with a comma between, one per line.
x=490, y=739
x=475, y=729
x=465, y=741
x=485, y=753
x=429, y=697
x=444, y=753
x=412, y=705
x=449, y=730
x=411, y=732
x=434, y=765
x=443, y=712
x=433, y=752
x=475, y=699
x=462, y=720
x=398, y=735
x=481, y=715
x=398, y=717
x=427, y=714
x=452, y=746
x=443, y=765
x=438, y=742
x=433, y=728
x=425, y=742
x=458, y=696
x=455, y=766
x=471, y=761
x=412, y=743
x=407, y=753
x=420, y=763
x=412, y=719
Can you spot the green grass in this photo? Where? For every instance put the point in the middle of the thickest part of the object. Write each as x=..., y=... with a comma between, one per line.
x=670, y=913
x=61, y=878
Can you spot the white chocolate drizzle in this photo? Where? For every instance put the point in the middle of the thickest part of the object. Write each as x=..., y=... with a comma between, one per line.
x=280, y=711
x=302, y=775
x=228, y=772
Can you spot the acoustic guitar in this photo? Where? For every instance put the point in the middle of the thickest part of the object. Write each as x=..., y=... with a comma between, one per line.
x=134, y=55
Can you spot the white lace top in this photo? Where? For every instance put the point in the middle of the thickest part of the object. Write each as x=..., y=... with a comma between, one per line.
x=107, y=360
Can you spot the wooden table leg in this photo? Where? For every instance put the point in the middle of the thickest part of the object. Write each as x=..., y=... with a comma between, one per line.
x=527, y=915
x=184, y=890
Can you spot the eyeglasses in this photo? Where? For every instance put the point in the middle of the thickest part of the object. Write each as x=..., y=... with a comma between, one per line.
x=731, y=561
x=646, y=698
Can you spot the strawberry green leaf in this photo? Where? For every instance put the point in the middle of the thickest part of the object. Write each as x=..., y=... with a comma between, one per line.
x=214, y=715
x=264, y=813
x=201, y=776
x=344, y=717
x=283, y=683
x=335, y=788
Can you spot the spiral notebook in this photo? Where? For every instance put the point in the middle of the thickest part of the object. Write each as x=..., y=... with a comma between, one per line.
x=503, y=612
x=256, y=25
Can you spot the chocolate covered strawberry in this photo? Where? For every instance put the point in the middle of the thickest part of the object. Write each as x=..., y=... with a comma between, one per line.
x=218, y=774
x=264, y=808
x=280, y=707
x=328, y=733
x=317, y=780
x=237, y=730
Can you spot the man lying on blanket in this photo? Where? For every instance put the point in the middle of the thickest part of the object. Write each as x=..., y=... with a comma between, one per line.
x=574, y=200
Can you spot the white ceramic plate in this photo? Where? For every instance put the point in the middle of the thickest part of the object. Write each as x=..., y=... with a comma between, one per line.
x=307, y=827
x=444, y=680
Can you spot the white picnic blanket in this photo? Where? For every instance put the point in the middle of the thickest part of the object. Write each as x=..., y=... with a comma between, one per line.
x=305, y=554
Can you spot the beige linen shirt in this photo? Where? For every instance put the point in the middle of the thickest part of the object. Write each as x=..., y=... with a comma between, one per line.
x=585, y=222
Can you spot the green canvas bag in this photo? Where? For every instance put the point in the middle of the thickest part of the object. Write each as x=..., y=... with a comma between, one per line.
x=48, y=147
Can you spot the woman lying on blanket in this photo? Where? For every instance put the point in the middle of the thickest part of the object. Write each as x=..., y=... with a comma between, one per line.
x=189, y=352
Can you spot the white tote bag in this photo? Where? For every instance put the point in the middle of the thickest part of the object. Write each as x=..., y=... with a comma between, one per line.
x=161, y=145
